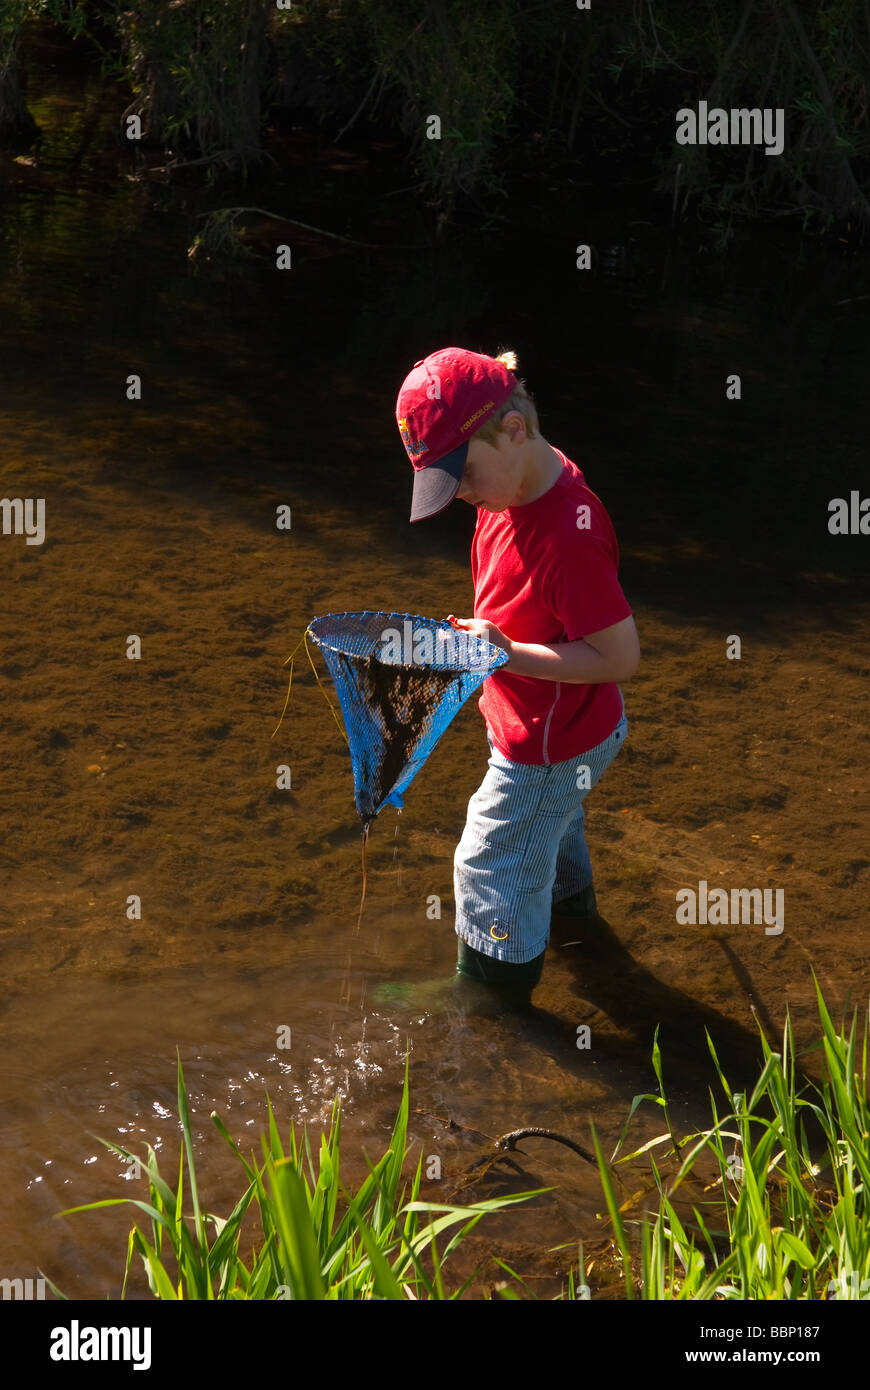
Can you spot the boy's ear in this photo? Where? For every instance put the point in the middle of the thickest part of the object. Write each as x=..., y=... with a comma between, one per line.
x=514, y=426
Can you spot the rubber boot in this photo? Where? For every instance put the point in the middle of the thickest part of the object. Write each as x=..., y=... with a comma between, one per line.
x=513, y=981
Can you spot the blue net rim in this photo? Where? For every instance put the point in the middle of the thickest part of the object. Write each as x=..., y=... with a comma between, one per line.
x=494, y=656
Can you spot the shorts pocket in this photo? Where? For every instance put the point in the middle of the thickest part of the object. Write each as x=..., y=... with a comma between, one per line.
x=502, y=815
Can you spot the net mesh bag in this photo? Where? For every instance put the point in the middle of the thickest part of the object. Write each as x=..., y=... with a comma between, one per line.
x=400, y=680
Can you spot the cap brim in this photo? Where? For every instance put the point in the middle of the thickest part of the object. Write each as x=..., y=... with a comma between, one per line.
x=436, y=486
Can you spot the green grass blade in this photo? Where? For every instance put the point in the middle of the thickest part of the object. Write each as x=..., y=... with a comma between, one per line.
x=615, y=1215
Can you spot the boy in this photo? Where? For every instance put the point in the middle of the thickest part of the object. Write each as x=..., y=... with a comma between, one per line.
x=544, y=564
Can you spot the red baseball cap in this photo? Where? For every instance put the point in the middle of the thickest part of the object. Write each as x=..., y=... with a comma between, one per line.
x=444, y=399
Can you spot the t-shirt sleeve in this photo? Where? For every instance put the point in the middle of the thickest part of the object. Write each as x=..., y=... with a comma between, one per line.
x=582, y=588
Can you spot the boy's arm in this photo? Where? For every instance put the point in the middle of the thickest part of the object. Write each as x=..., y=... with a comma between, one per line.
x=613, y=654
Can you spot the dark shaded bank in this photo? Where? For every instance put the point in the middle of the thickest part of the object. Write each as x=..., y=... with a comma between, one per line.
x=475, y=97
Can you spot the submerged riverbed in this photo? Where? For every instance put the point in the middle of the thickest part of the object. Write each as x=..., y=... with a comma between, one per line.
x=157, y=778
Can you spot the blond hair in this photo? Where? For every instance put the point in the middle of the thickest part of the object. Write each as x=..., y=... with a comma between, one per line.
x=520, y=400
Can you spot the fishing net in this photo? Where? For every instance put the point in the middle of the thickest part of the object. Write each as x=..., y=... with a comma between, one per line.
x=400, y=680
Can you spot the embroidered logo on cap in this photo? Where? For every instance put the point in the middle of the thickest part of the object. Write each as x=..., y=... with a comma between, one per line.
x=490, y=405
x=415, y=447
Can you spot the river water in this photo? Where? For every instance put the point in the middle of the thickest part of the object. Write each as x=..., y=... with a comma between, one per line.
x=157, y=778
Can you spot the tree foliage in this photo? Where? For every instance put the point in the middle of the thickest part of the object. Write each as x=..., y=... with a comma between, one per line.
x=514, y=86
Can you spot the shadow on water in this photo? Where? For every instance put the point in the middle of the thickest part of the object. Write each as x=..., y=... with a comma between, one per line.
x=637, y=1002
x=625, y=1003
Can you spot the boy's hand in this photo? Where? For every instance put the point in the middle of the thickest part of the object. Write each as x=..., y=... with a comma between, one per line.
x=481, y=628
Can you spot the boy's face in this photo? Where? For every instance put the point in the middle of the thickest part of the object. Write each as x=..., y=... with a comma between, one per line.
x=492, y=475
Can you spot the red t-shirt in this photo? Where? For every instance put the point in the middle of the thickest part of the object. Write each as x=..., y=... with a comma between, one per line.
x=541, y=577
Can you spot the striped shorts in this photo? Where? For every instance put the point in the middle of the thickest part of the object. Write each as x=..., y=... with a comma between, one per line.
x=523, y=848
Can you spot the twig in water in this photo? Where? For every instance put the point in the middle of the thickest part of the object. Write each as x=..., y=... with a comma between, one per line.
x=510, y=1141
x=450, y=1123
x=319, y=231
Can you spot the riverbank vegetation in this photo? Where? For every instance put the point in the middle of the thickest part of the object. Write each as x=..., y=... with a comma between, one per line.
x=547, y=93
x=779, y=1209
x=788, y=1216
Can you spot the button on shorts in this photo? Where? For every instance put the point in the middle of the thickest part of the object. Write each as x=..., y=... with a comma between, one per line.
x=523, y=848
